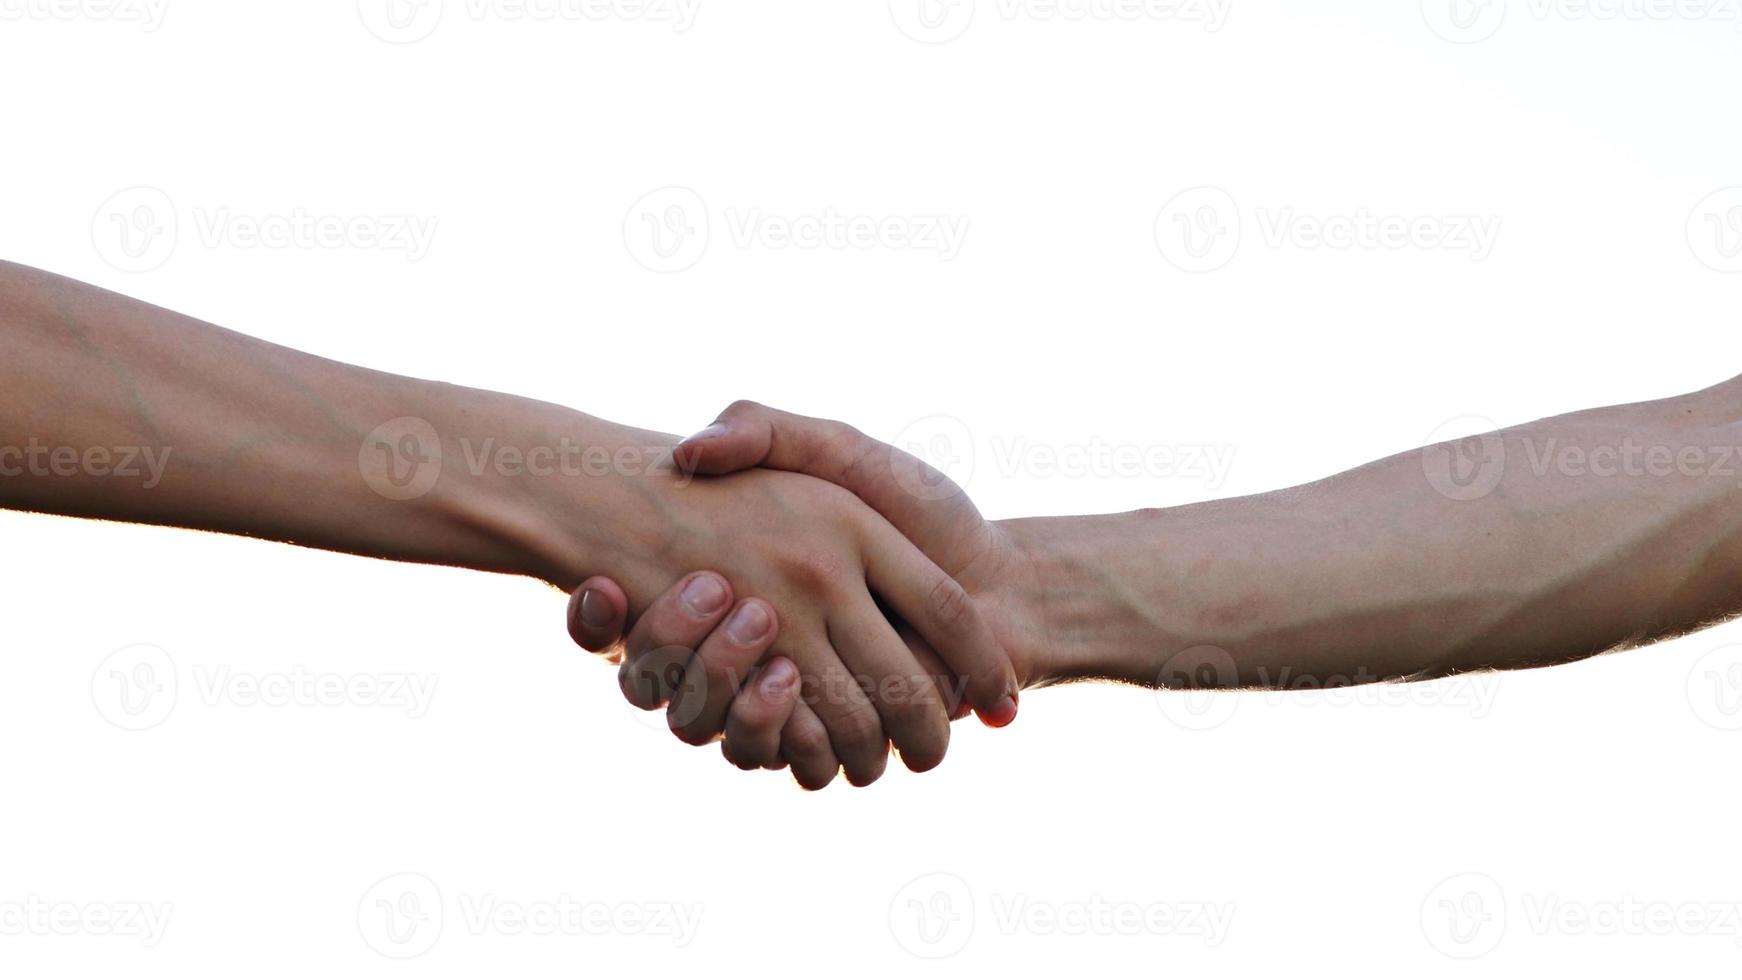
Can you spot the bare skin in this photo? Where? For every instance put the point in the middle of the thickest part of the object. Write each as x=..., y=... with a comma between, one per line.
x=1537, y=545
x=111, y=408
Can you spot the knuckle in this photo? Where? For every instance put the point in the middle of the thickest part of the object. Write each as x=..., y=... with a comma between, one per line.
x=949, y=604
x=663, y=667
x=918, y=720
x=813, y=570
x=741, y=407
x=861, y=733
x=807, y=742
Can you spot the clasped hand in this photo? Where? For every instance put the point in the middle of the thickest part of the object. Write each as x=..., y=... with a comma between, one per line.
x=857, y=600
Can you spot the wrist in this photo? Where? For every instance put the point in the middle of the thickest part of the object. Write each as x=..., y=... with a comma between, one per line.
x=556, y=494
x=1095, y=595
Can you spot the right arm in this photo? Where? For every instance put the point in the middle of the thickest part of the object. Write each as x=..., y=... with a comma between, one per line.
x=1539, y=544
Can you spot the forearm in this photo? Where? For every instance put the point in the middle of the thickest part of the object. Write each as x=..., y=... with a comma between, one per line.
x=1605, y=529
x=112, y=408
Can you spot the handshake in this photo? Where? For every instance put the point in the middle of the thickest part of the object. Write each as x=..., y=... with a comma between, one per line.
x=857, y=600
x=811, y=597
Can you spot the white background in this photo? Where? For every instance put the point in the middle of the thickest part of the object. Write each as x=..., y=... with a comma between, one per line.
x=1067, y=318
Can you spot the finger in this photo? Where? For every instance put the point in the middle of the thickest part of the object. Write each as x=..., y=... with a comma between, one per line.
x=922, y=505
x=660, y=645
x=927, y=507
x=948, y=685
x=757, y=715
x=853, y=726
x=805, y=745
x=597, y=611
x=944, y=615
x=910, y=707
x=722, y=665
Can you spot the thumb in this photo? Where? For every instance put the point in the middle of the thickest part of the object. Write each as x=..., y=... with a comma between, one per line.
x=598, y=610
x=742, y=437
x=924, y=505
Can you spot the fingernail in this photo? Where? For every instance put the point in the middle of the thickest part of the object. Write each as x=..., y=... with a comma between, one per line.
x=704, y=595
x=1000, y=714
x=710, y=432
x=595, y=610
x=748, y=624
x=777, y=678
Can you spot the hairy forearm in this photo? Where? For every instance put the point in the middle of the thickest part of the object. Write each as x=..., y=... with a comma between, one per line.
x=112, y=408
x=1552, y=541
